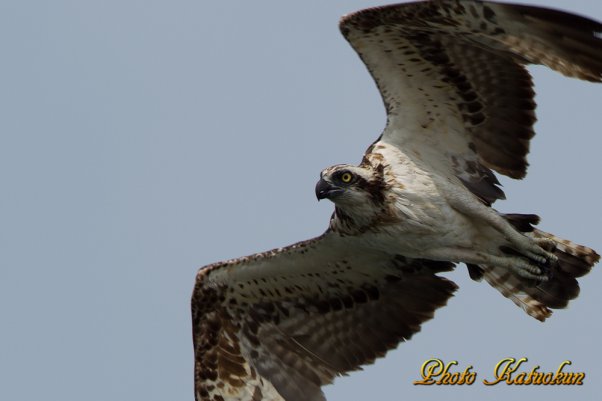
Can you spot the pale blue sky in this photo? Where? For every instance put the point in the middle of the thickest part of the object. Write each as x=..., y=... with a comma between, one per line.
x=141, y=140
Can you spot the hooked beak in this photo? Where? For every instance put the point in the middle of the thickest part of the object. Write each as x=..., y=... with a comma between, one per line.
x=324, y=189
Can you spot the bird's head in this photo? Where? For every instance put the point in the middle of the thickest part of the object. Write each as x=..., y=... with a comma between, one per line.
x=352, y=188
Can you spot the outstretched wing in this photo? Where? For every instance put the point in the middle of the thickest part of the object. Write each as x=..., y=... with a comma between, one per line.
x=279, y=325
x=452, y=77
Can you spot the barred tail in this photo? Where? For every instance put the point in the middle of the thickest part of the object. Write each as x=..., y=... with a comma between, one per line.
x=573, y=259
x=537, y=299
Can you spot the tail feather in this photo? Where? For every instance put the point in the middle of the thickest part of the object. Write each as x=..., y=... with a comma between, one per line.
x=514, y=288
x=574, y=259
x=522, y=222
x=537, y=299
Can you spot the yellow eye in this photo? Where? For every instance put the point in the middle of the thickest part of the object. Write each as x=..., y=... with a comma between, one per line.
x=346, y=178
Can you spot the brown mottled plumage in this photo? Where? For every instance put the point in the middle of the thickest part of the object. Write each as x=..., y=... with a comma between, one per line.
x=278, y=325
x=290, y=320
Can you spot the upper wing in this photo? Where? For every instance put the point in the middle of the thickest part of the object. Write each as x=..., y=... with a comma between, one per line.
x=452, y=77
x=280, y=324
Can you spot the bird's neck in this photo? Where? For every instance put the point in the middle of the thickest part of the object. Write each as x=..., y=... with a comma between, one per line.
x=353, y=222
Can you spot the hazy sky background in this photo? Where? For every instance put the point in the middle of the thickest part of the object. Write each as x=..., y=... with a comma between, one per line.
x=141, y=140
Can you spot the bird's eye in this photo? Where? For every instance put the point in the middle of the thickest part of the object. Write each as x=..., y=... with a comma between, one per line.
x=346, y=178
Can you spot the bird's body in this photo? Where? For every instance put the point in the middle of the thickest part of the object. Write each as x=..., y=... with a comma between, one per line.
x=411, y=213
x=422, y=213
x=280, y=324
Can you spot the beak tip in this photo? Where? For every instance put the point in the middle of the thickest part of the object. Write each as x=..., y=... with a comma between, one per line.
x=323, y=189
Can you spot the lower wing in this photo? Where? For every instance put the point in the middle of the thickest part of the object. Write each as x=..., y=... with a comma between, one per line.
x=278, y=325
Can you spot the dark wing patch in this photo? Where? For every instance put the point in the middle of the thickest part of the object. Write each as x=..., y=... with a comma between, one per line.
x=451, y=74
x=287, y=322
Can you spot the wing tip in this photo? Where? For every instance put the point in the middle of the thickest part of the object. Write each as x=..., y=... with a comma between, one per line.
x=578, y=38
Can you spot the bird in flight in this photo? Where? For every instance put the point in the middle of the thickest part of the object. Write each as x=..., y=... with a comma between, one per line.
x=280, y=324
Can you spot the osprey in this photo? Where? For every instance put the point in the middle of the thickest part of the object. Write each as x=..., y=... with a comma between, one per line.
x=280, y=324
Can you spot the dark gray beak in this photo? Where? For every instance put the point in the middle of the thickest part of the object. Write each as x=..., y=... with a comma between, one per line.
x=324, y=189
